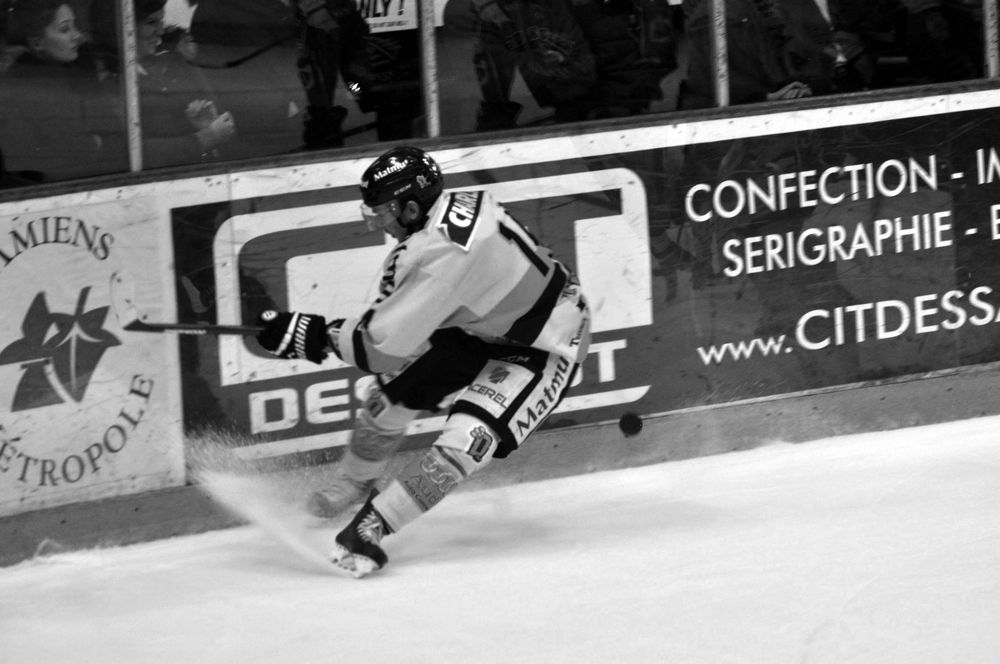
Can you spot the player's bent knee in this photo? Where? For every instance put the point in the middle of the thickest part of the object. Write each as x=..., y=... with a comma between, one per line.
x=472, y=441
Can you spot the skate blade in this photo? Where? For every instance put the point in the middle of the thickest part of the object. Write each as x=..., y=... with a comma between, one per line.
x=356, y=565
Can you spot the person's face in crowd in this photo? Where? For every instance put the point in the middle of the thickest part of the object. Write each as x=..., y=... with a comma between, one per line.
x=61, y=39
x=188, y=48
x=149, y=33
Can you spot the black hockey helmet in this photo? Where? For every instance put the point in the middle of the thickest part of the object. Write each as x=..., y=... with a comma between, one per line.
x=402, y=174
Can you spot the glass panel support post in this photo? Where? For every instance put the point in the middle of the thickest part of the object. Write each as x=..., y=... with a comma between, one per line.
x=720, y=52
x=428, y=68
x=130, y=77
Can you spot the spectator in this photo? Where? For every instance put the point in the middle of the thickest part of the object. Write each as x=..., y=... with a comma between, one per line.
x=634, y=50
x=45, y=96
x=180, y=124
x=176, y=38
x=944, y=38
x=778, y=49
x=248, y=51
x=865, y=31
x=333, y=38
x=540, y=39
x=388, y=84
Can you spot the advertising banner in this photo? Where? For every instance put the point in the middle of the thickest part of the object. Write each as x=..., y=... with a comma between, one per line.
x=749, y=266
x=389, y=15
x=87, y=409
x=745, y=267
x=310, y=251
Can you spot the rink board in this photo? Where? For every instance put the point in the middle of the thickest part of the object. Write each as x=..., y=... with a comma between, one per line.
x=732, y=264
x=697, y=432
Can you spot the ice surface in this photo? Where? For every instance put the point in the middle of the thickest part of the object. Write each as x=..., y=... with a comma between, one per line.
x=868, y=548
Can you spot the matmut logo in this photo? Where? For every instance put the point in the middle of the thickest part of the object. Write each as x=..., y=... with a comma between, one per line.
x=394, y=167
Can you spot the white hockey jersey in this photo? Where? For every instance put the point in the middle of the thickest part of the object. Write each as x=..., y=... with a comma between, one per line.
x=474, y=267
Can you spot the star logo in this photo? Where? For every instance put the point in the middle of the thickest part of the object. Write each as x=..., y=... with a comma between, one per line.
x=58, y=352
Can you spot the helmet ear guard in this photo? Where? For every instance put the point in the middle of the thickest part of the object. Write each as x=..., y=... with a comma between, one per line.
x=403, y=174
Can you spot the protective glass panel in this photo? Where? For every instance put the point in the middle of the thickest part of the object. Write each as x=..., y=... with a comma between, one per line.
x=308, y=74
x=236, y=67
x=514, y=63
x=888, y=43
x=790, y=49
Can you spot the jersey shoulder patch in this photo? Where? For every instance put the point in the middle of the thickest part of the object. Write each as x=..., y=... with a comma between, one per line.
x=458, y=222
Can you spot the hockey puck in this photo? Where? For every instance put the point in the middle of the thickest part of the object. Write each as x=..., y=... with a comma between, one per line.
x=630, y=424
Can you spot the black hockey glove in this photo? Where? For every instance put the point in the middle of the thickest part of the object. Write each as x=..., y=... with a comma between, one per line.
x=291, y=335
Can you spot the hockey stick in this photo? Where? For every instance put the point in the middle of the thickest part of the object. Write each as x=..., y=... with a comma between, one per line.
x=123, y=304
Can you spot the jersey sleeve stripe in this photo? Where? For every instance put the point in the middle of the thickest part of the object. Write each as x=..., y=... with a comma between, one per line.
x=358, y=343
x=527, y=328
x=529, y=252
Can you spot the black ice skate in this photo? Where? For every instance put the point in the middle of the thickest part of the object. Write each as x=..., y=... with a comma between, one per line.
x=357, y=549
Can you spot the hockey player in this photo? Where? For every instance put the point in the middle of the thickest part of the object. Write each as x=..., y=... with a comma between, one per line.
x=469, y=304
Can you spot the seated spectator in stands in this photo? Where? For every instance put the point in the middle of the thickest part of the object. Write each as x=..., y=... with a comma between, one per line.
x=865, y=32
x=634, y=49
x=176, y=38
x=180, y=124
x=332, y=43
x=248, y=51
x=45, y=93
x=776, y=52
x=543, y=41
x=944, y=38
x=385, y=79
x=284, y=59
x=778, y=49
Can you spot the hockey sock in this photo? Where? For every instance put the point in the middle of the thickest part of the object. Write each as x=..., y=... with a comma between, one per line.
x=422, y=484
x=362, y=470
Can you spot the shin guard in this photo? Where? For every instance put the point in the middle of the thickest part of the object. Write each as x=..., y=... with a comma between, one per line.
x=422, y=484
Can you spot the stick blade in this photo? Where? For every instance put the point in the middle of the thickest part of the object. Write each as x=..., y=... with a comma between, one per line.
x=123, y=304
